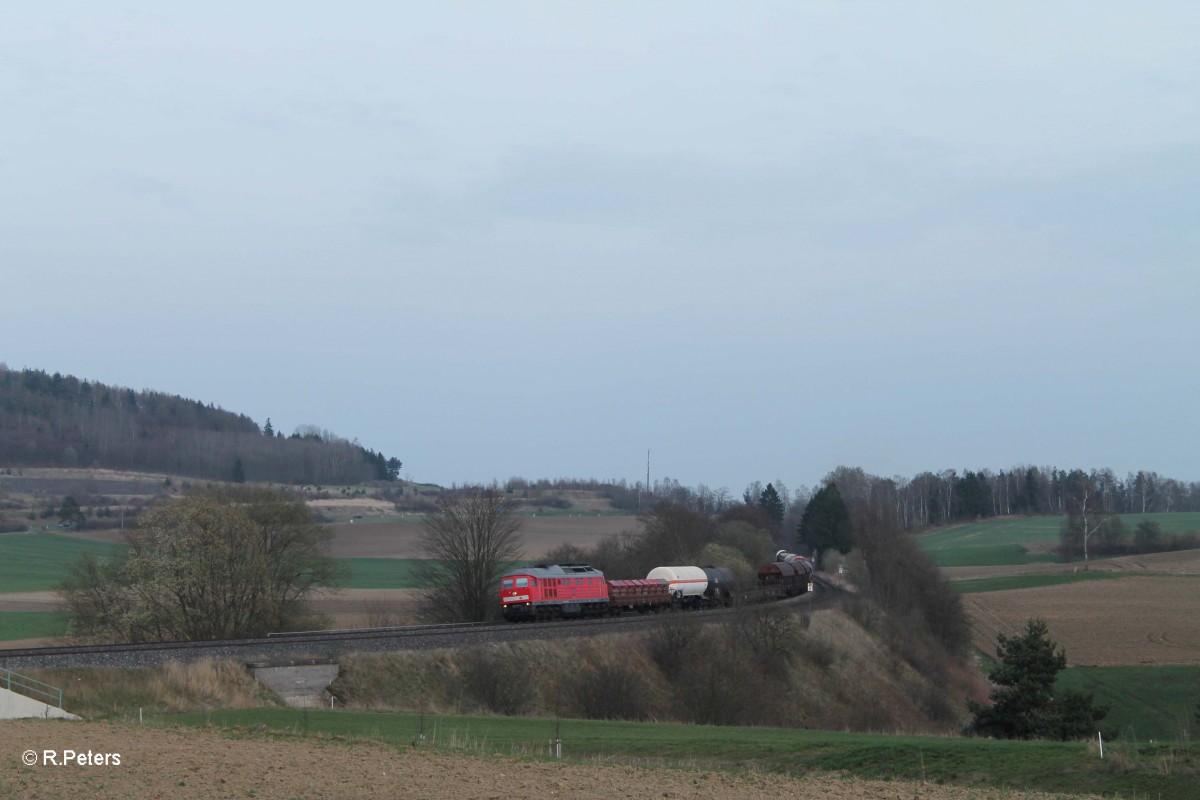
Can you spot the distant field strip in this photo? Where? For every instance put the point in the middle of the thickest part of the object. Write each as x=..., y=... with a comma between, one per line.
x=16, y=625
x=1009, y=582
x=1012, y=541
x=34, y=562
x=381, y=573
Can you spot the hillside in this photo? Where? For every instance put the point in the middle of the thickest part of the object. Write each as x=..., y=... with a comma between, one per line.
x=62, y=421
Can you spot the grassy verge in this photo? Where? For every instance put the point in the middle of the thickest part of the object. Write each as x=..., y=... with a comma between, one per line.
x=120, y=692
x=35, y=562
x=1146, y=703
x=1166, y=771
x=31, y=625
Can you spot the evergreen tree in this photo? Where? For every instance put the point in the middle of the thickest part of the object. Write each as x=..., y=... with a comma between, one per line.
x=393, y=468
x=70, y=513
x=1025, y=703
x=770, y=502
x=826, y=523
x=239, y=472
x=268, y=429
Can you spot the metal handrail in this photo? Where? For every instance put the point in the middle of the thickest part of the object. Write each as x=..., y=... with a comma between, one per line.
x=9, y=679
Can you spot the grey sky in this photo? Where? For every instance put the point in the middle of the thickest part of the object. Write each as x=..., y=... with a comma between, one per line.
x=495, y=239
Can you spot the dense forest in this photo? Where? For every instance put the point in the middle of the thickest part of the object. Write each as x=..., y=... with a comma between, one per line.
x=61, y=421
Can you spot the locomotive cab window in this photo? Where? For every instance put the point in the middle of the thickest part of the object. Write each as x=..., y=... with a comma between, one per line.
x=507, y=583
x=522, y=582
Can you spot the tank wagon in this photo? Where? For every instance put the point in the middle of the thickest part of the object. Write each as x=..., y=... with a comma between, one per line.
x=693, y=587
x=787, y=576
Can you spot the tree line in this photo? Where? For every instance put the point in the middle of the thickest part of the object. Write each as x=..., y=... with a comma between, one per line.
x=61, y=421
x=925, y=500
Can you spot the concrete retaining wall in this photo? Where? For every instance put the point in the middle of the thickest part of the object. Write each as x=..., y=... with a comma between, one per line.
x=18, y=706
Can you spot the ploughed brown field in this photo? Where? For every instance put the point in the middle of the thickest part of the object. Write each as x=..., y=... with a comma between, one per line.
x=401, y=538
x=206, y=764
x=392, y=536
x=1151, y=616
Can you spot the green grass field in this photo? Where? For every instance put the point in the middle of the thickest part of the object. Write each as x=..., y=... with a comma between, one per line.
x=35, y=562
x=32, y=625
x=1006, y=541
x=381, y=573
x=1047, y=766
x=1146, y=703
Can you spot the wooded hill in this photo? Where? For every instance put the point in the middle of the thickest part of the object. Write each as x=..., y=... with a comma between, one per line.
x=62, y=421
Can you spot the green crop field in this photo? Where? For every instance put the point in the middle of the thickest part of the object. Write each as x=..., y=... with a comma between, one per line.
x=992, y=542
x=31, y=625
x=1146, y=703
x=1048, y=766
x=35, y=562
x=1006, y=541
x=381, y=573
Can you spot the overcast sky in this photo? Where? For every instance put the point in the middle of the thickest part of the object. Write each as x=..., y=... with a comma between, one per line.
x=759, y=240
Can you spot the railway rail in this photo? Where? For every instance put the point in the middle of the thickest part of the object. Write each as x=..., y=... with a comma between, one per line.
x=330, y=644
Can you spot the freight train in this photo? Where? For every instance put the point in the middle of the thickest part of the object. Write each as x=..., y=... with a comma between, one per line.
x=548, y=591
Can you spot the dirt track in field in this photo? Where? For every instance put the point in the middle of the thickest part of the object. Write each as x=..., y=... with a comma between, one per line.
x=159, y=763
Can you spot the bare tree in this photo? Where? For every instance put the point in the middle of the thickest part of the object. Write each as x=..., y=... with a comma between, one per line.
x=470, y=541
x=1086, y=512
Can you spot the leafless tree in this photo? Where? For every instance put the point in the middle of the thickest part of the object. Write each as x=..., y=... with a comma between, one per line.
x=470, y=541
x=1087, y=515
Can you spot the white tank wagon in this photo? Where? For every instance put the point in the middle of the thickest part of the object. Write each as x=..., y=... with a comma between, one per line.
x=683, y=582
x=691, y=587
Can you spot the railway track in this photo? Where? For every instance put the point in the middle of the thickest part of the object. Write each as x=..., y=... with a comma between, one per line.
x=331, y=644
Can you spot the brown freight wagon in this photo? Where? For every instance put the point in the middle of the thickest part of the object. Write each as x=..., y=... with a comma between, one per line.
x=638, y=595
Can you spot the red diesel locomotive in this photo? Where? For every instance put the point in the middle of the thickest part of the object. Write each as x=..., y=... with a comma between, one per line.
x=553, y=590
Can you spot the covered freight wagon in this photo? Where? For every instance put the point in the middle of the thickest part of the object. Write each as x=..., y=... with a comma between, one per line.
x=787, y=575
